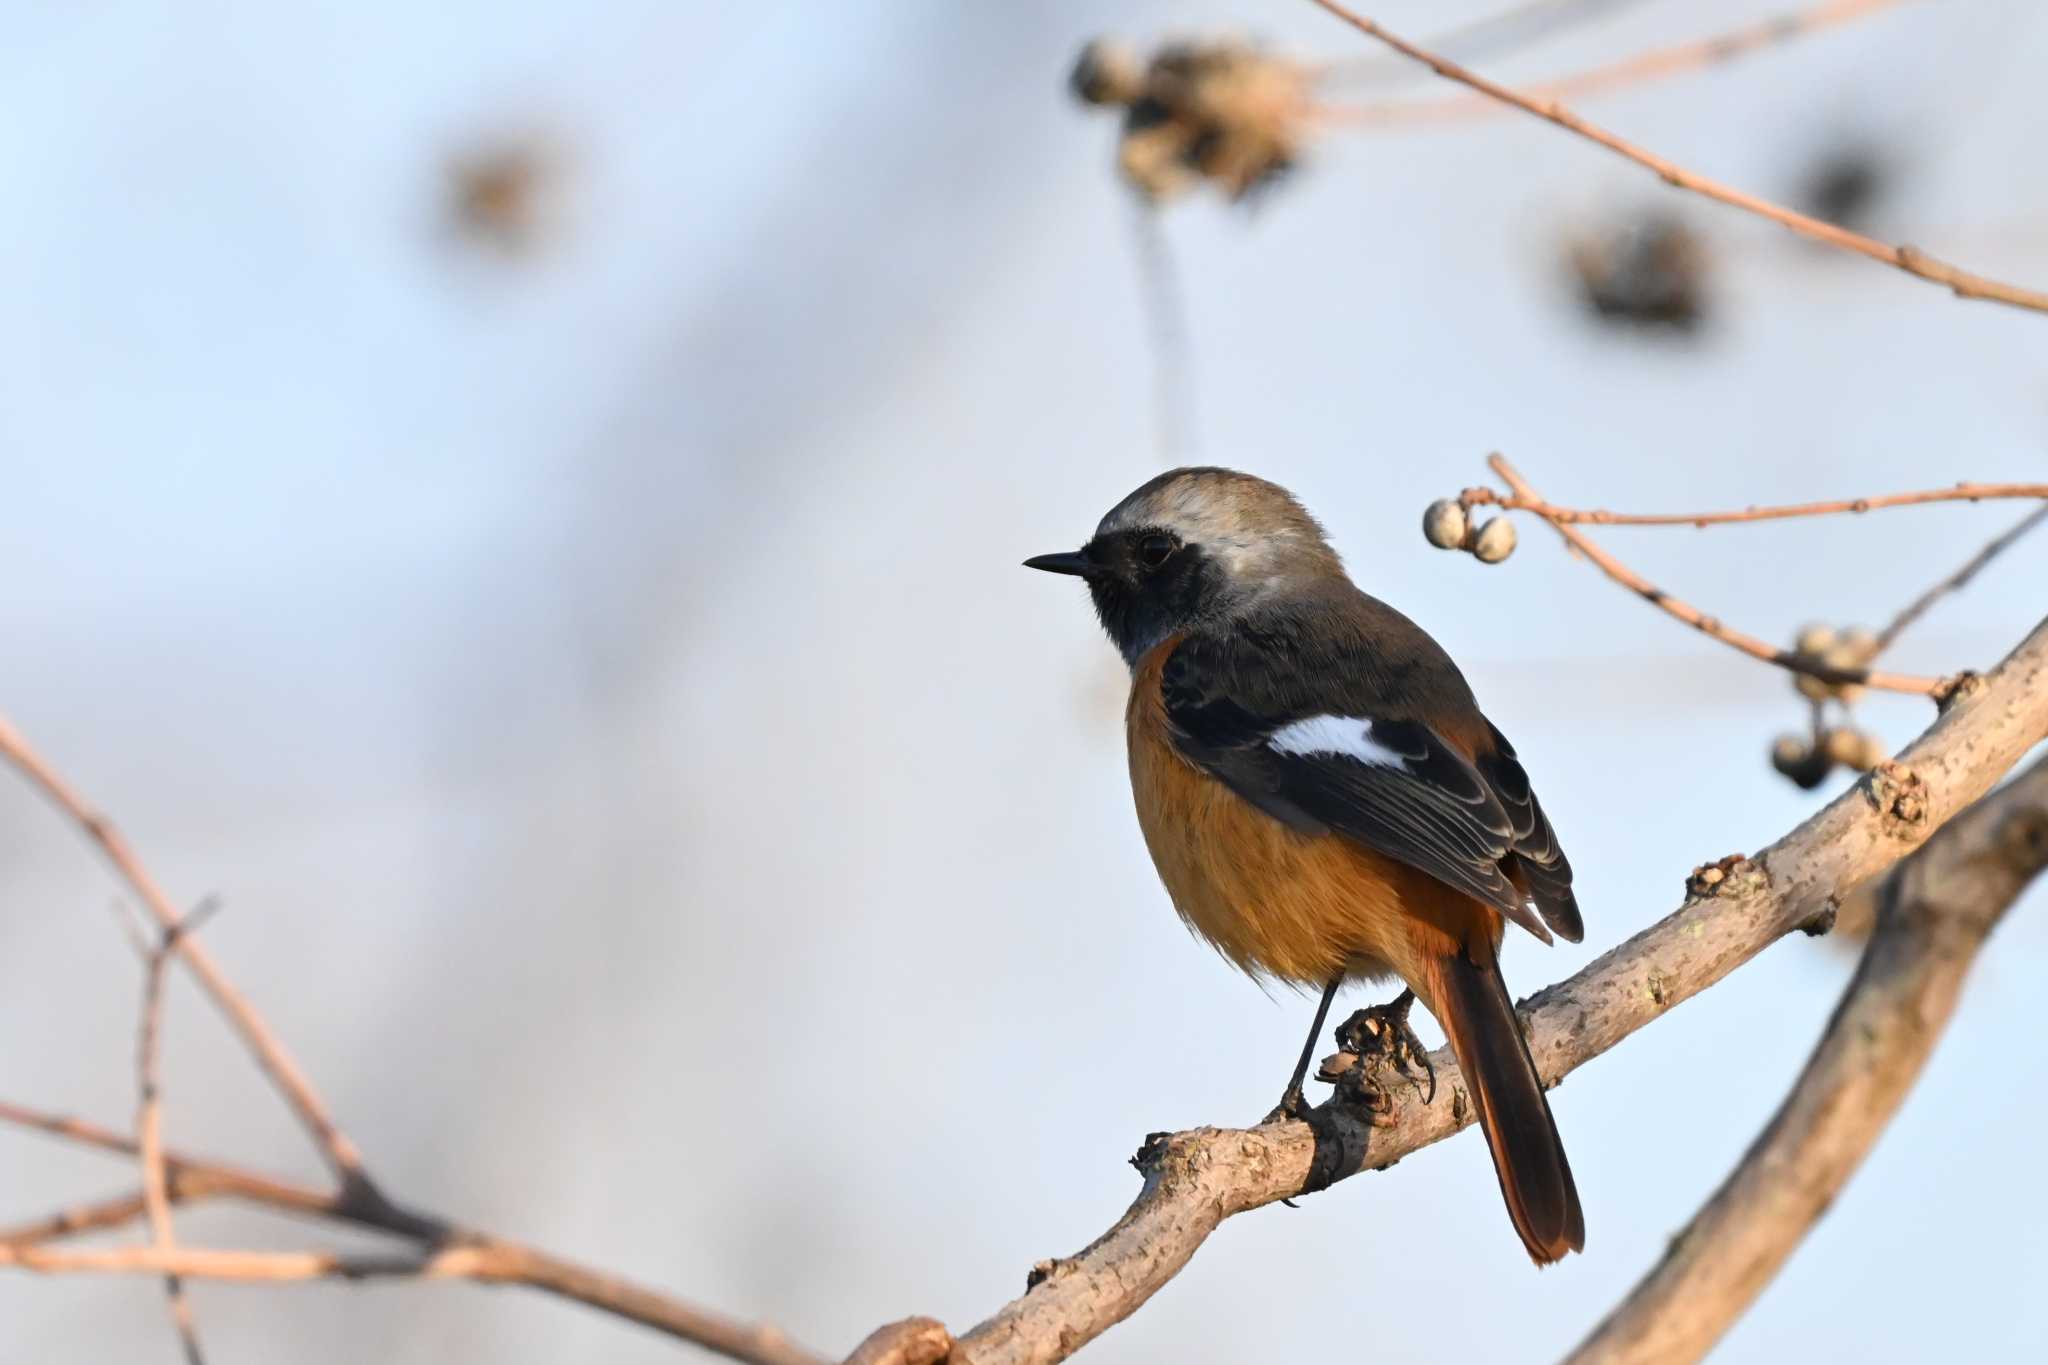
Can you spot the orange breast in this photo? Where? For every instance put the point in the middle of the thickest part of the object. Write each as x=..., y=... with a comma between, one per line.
x=1302, y=908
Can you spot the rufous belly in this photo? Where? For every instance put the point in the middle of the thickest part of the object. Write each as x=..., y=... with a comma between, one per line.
x=1301, y=908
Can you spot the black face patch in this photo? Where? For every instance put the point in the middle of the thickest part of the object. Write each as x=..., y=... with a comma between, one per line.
x=1148, y=584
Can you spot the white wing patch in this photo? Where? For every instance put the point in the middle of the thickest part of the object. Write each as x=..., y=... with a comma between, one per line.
x=1346, y=735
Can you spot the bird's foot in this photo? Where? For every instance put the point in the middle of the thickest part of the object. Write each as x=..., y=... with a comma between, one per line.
x=1382, y=1041
x=1293, y=1105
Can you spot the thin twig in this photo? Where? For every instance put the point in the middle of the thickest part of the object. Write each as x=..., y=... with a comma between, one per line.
x=1909, y=259
x=269, y=1051
x=498, y=1259
x=1527, y=499
x=1498, y=34
x=97, y=1216
x=1551, y=512
x=149, y=1124
x=1956, y=581
x=1937, y=910
x=1694, y=55
x=357, y=1200
x=1194, y=1180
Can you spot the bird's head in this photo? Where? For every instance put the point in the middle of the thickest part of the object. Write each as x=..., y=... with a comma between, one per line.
x=1190, y=546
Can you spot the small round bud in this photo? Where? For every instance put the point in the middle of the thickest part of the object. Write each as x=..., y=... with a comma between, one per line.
x=1805, y=765
x=1858, y=644
x=1853, y=748
x=1444, y=523
x=1107, y=73
x=1495, y=541
x=1815, y=640
x=1842, y=745
x=1812, y=688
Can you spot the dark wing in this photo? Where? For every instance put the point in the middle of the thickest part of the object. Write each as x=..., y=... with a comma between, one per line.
x=1325, y=765
x=1537, y=863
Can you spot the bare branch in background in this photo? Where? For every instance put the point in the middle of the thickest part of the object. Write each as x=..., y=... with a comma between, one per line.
x=284, y=1072
x=1527, y=501
x=1937, y=909
x=149, y=1122
x=1194, y=1180
x=440, y=1248
x=1695, y=55
x=1960, y=579
x=1909, y=259
x=1490, y=35
x=1565, y=521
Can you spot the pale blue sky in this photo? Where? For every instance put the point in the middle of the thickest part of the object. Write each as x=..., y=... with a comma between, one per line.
x=653, y=801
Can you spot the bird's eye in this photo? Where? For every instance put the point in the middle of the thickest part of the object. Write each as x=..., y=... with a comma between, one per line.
x=1155, y=550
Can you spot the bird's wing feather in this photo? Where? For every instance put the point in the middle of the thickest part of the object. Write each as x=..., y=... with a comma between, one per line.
x=1323, y=754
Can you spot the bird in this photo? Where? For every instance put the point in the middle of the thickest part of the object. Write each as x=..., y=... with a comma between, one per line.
x=1323, y=798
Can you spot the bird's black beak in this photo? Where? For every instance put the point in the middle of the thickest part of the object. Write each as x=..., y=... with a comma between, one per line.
x=1072, y=562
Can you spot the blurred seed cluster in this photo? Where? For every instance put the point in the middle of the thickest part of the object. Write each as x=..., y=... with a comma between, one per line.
x=1650, y=271
x=1219, y=111
x=1808, y=759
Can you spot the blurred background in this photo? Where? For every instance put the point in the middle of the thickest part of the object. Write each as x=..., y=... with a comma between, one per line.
x=524, y=502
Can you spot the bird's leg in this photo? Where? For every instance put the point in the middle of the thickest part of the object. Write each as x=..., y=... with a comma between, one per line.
x=1381, y=1039
x=1291, y=1101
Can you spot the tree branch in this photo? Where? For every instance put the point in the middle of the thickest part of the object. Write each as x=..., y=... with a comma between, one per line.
x=1694, y=55
x=1562, y=520
x=357, y=1199
x=149, y=1120
x=1909, y=259
x=1937, y=910
x=1499, y=34
x=284, y=1072
x=1529, y=501
x=1196, y=1179
x=1960, y=579
x=495, y=1259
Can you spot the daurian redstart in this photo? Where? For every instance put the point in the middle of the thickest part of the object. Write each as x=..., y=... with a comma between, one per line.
x=1322, y=796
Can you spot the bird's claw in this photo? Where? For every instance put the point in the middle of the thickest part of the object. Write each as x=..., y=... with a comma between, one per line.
x=1382, y=1040
x=1293, y=1105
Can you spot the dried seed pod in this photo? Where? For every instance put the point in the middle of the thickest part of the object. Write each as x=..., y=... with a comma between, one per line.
x=1853, y=748
x=1841, y=744
x=1494, y=541
x=1154, y=160
x=1789, y=751
x=1648, y=271
x=1107, y=72
x=1815, y=640
x=1804, y=764
x=1219, y=111
x=1444, y=524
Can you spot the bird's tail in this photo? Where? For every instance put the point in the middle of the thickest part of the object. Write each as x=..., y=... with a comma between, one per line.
x=1471, y=1002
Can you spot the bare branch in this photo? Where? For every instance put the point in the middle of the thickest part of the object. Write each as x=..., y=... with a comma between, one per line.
x=1527, y=499
x=1960, y=579
x=357, y=1200
x=1196, y=1179
x=284, y=1072
x=97, y=1216
x=508, y=1261
x=1551, y=512
x=1937, y=910
x=1490, y=35
x=149, y=1123
x=913, y=1341
x=1909, y=259
x=1694, y=55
